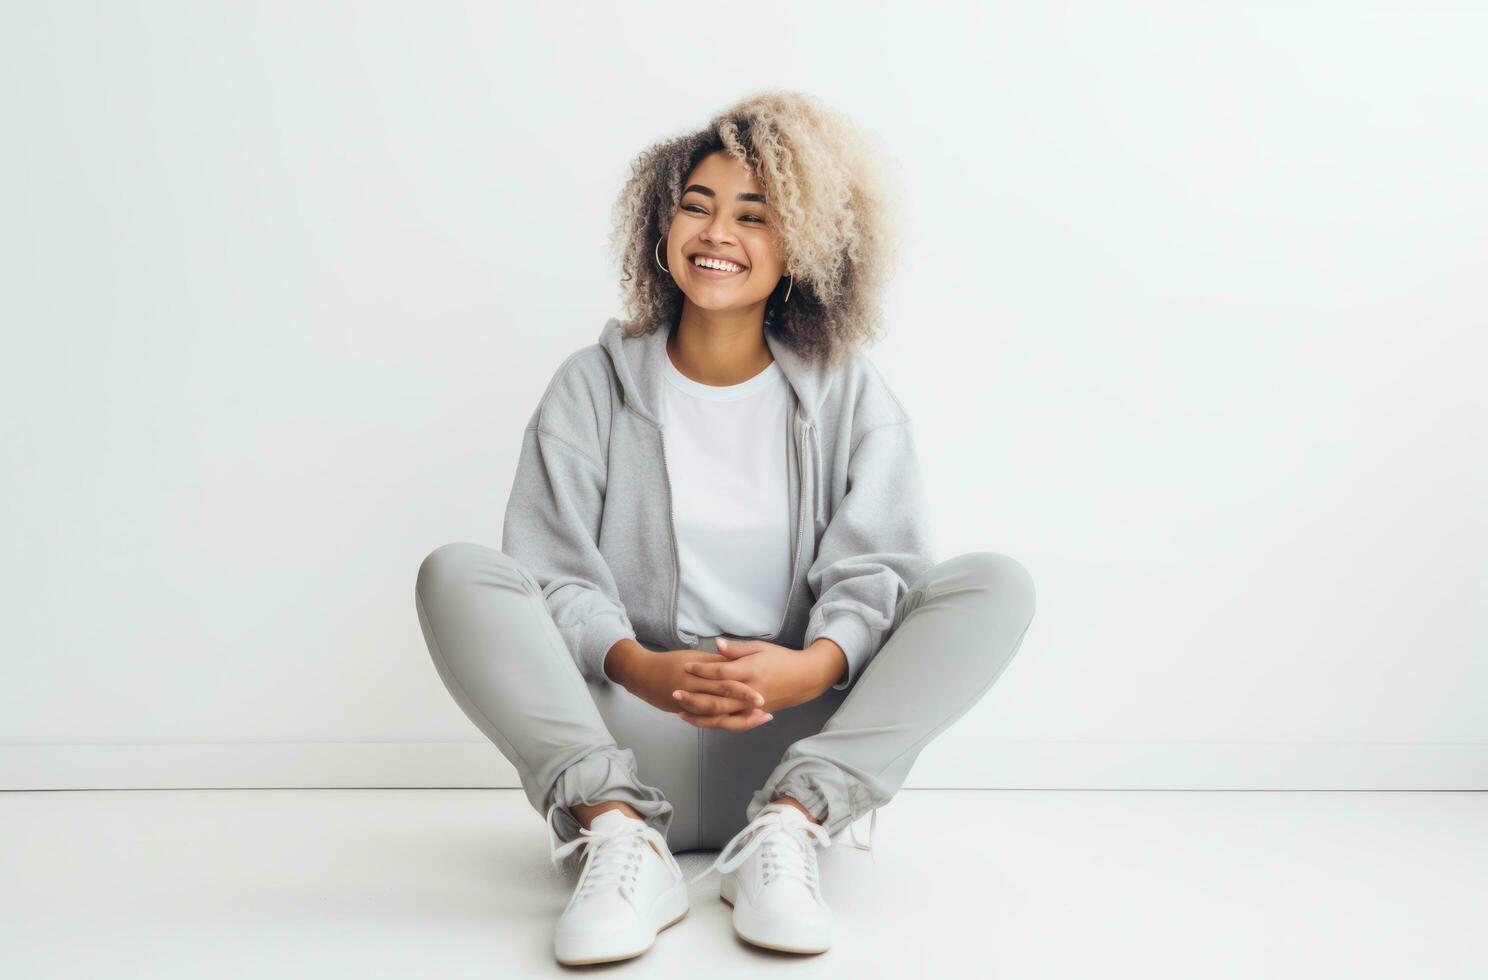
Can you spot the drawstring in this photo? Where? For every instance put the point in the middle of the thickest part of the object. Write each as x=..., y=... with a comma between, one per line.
x=553, y=839
x=872, y=824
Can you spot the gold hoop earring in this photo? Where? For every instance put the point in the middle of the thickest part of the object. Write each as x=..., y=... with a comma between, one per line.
x=789, y=286
x=657, y=252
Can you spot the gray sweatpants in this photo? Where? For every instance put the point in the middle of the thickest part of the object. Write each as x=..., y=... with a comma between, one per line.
x=842, y=755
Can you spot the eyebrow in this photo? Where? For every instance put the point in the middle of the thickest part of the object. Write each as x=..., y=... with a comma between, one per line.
x=709, y=192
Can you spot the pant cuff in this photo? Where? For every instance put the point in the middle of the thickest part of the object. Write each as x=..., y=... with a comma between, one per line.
x=820, y=788
x=606, y=774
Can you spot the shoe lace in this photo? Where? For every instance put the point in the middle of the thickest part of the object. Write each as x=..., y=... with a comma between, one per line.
x=872, y=825
x=785, y=848
x=612, y=858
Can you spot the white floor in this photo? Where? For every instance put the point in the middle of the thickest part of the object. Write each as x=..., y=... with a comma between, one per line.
x=456, y=883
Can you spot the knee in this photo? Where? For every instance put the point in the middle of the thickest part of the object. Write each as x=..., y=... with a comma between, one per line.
x=1008, y=585
x=457, y=563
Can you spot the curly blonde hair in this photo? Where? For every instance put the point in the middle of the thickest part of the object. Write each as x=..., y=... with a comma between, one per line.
x=838, y=219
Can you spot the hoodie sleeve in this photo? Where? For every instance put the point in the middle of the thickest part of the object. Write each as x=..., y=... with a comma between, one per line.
x=552, y=525
x=876, y=546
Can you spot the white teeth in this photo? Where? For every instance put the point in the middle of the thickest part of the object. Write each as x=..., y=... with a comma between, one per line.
x=717, y=264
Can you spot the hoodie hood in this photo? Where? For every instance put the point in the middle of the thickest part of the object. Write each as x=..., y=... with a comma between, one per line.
x=640, y=363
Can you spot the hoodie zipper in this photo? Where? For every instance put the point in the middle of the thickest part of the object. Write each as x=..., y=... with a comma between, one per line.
x=676, y=561
x=790, y=593
x=800, y=537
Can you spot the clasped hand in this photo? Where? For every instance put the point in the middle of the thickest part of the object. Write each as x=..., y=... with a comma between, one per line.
x=736, y=689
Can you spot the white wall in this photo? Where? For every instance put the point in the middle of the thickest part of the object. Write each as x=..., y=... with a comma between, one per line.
x=1192, y=325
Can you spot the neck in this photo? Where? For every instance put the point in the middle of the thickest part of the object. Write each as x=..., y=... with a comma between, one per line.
x=720, y=348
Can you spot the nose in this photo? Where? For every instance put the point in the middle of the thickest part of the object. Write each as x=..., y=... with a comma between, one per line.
x=716, y=230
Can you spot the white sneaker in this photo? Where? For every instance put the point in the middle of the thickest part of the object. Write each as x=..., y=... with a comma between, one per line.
x=626, y=893
x=770, y=878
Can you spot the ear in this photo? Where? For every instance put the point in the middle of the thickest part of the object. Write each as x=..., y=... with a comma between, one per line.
x=737, y=648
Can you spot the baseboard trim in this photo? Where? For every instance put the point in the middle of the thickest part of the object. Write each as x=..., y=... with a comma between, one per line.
x=946, y=764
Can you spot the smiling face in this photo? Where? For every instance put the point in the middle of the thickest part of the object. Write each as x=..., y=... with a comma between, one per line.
x=723, y=215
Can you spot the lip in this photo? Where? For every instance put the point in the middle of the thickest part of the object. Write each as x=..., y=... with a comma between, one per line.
x=714, y=273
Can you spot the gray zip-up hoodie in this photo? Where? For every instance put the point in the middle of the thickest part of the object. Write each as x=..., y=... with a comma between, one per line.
x=590, y=511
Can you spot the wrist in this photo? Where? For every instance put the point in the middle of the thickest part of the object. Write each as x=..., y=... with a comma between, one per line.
x=830, y=660
x=620, y=661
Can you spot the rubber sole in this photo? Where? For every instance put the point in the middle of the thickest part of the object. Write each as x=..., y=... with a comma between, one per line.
x=613, y=957
x=726, y=886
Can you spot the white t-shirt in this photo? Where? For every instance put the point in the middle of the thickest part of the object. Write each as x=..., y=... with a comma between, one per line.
x=726, y=456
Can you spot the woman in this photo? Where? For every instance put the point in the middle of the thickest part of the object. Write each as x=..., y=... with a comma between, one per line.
x=715, y=621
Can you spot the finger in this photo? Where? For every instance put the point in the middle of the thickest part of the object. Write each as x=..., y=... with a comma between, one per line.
x=737, y=648
x=708, y=704
x=741, y=722
x=737, y=690
x=735, y=722
x=741, y=692
x=718, y=670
